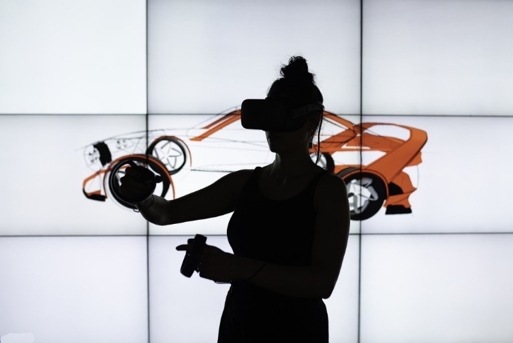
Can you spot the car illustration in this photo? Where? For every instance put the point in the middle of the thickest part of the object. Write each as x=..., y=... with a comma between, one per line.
x=220, y=144
x=381, y=182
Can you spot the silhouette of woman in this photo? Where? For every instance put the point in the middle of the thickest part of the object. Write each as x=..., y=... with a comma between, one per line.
x=288, y=231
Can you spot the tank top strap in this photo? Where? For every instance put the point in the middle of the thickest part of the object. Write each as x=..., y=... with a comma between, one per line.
x=252, y=183
x=255, y=175
x=315, y=180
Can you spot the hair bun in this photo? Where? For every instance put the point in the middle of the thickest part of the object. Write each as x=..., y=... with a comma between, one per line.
x=297, y=69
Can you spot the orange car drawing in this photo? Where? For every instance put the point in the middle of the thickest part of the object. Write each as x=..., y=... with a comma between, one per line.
x=383, y=182
x=380, y=183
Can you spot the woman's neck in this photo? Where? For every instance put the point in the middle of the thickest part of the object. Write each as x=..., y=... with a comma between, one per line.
x=287, y=167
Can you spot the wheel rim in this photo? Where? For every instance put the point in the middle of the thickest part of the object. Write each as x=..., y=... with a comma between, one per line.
x=170, y=153
x=361, y=193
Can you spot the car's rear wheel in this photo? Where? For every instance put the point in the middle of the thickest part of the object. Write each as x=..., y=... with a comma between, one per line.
x=366, y=192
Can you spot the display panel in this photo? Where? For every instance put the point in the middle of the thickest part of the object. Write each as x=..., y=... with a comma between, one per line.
x=199, y=149
x=74, y=289
x=436, y=288
x=50, y=164
x=448, y=57
x=208, y=56
x=83, y=56
x=439, y=173
x=180, y=305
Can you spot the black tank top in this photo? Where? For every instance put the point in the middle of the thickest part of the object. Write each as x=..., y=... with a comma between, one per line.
x=275, y=231
x=278, y=232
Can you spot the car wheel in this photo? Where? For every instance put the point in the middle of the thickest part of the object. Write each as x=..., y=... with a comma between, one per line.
x=117, y=171
x=366, y=192
x=170, y=151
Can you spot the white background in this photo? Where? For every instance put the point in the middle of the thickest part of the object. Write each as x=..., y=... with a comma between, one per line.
x=80, y=56
x=42, y=175
x=436, y=288
x=206, y=56
x=74, y=289
x=437, y=57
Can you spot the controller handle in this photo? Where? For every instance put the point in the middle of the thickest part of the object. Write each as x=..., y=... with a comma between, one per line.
x=192, y=257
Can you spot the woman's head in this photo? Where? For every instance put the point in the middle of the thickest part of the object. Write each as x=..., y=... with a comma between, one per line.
x=297, y=86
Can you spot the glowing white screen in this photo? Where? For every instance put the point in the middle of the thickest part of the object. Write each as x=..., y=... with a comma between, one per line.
x=437, y=57
x=45, y=163
x=70, y=289
x=82, y=56
x=180, y=305
x=436, y=288
x=198, y=157
x=207, y=56
x=460, y=181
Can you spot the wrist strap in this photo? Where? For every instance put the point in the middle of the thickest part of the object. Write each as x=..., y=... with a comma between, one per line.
x=138, y=207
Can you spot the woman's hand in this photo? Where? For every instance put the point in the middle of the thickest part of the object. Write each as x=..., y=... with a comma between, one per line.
x=134, y=184
x=217, y=265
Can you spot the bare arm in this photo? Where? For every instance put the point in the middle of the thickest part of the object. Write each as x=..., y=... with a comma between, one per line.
x=214, y=200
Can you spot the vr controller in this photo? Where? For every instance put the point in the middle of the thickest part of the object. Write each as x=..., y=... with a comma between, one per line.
x=191, y=260
x=276, y=115
x=143, y=175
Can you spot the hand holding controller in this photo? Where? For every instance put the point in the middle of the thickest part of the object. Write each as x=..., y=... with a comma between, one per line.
x=138, y=184
x=192, y=257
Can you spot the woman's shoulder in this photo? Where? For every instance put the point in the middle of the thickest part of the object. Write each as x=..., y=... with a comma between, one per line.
x=240, y=177
x=241, y=174
x=330, y=187
x=329, y=180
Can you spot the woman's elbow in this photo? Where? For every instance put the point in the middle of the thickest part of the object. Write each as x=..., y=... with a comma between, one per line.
x=328, y=286
x=326, y=292
x=325, y=288
x=158, y=220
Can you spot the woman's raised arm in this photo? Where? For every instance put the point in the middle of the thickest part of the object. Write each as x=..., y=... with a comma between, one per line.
x=212, y=201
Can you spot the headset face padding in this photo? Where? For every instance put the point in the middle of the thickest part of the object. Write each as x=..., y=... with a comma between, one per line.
x=275, y=115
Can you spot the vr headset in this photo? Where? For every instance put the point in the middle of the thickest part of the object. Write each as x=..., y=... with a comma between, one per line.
x=275, y=115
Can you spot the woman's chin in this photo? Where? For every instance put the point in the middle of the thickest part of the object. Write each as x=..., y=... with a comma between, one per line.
x=275, y=147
